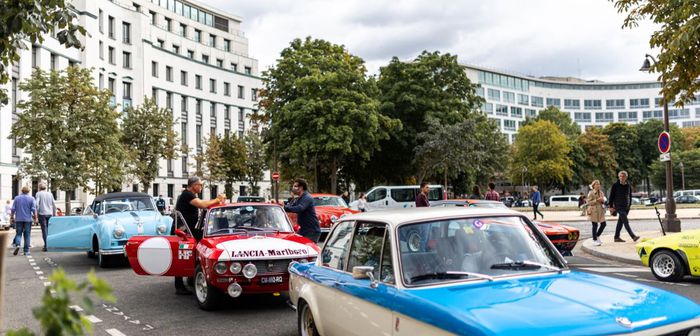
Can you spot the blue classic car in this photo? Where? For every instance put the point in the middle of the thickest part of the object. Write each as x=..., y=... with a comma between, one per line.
x=467, y=271
x=105, y=226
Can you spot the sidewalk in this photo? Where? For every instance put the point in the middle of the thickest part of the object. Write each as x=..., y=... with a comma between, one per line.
x=575, y=215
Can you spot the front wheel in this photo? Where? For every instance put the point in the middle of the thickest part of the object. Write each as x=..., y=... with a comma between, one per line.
x=103, y=260
x=208, y=297
x=667, y=266
x=305, y=321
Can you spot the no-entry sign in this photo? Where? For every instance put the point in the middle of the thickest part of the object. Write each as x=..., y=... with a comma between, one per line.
x=276, y=176
x=664, y=142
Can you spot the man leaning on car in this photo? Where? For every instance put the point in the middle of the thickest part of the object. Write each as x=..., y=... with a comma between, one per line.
x=303, y=206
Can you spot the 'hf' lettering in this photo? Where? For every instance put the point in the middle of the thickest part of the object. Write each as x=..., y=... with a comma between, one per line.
x=184, y=254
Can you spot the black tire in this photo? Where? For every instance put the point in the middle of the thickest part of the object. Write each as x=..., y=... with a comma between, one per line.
x=667, y=266
x=91, y=254
x=104, y=261
x=306, y=324
x=208, y=297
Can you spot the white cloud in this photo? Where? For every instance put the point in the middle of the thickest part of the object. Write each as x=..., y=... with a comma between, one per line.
x=581, y=38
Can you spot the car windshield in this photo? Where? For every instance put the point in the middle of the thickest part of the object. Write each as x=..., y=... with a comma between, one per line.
x=241, y=219
x=329, y=200
x=472, y=248
x=123, y=204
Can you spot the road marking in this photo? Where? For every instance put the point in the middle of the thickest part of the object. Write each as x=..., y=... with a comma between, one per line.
x=76, y=308
x=115, y=332
x=42, y=278
x=47, y=284
x=36, y=268
x=593, y=265
x=614, y=269
x=665, y=283
x=39, y=272
x=32, y=263
x=626, y=275
x=93, y=319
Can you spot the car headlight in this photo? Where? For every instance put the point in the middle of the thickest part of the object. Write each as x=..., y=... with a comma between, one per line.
x=161, y=229
x=220, y=267
x=334, y=219
x=118, y=232
x=250, y=271
x=236, y=267
x=303, y=261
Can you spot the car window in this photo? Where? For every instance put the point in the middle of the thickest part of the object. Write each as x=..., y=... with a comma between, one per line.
x=435, y=194
x=387, y=270
x=366, y=247
x=376, y=195
x=225, y=220
x=124, y=204
x=404, y=194
x=337, y=245
x=330, y=200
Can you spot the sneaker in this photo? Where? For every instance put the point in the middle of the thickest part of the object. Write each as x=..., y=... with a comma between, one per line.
x=619, y=240
x=16, y=250
x=635, y=238
x=597, y=242
x=44, y=249
x=30, y=245
x=27, y=253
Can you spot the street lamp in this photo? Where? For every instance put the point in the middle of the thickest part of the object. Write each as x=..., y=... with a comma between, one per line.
x=680, y=164
x=671, y=222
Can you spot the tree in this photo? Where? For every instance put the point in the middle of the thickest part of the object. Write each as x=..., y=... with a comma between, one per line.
x=625, y=140
x=599, y=157
x=432, y=86
x=233, y=164
x=691, y=136
x=690, y=171
x=677, y=39
x=256, y=163
x=322, y=109
x=148, y=136
x=30, y=20
x=69, y=129
x=544, y=150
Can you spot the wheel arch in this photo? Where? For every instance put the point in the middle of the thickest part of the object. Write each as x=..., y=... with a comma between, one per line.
x=677, y=252
x=307, y=297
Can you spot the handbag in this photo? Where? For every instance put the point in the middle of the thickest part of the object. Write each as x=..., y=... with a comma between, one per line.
x=589, y=211
x=613, y=211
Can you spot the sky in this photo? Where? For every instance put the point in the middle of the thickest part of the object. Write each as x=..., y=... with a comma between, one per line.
x=579, y=38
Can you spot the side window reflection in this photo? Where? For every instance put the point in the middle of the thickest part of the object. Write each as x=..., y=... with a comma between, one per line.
x=367, y=246
x=336, y=248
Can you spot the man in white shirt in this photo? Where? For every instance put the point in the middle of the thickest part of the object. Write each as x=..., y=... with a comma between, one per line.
x=46, y=207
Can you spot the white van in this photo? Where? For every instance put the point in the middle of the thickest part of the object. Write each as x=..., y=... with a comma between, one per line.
x=563, y=200
x=385, y=197
x=695, y=192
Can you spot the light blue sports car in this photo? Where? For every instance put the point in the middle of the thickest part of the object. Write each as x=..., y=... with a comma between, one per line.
x=104, y=228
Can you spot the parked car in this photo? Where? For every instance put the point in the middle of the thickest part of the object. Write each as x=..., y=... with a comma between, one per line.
x=563, y=237
x=249, y=199
x=508, y=200
x=673, y=256
x=246, y=249
x=467, y=271
x=105, y=226
x=329, y=208
x=563, y=200
x=694, y=192
x=386, y=197
x=687, y=199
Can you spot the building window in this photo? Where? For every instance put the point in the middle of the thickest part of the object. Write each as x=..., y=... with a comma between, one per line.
x=234, y=67
x=183, y=30
x=656, y=114
x=184, y=165
x=171, y=187
x=100, y=21
x=516, y=112
x=126, y=60
x=126, y=95
x=111, y=85
x=227, y=89
x=212, y=85
x=248, y=70
x=509, y=125
x=227, y=111
x=227, y=45
x=168, y=24
x=183, y=133
x=582, y=117
x=627, y=116
x=110, y=27
x=198, y=137
x=197, y=35
x=176, y=49
x=531, y=113
x=614, y=104
x=183, y=104
x=154, y=69
x=501, y=110
x=190, y=54
x=205, y=58
x=212, y=40
x=54, y=61
x=169, y=100
x=241, y=92
x=639, y=103
x=212, y=110
x=101, y=82
x=241, y=114
x=219, y=63
x=592, y=104
x=253, y=94
x=537, y=101
x=183, y=78
x=160, y=43
x=494, y=95
x=110, y=55
x=603, y=116
x=198, y=107
x=102, y=51
x=523, y=99
x=508, y=97
x=487, y=108
x=556, y=102
x=154, y=17
x=679, y=114
x=572, y=104
x=126, y=32
x=198, y=82
x=154, y=95
x=168, y=73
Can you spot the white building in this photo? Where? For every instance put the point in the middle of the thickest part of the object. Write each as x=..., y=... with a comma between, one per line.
x=188, y=56
x=510, y=98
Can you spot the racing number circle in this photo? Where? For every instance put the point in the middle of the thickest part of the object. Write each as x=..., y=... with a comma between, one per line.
x=154, y=255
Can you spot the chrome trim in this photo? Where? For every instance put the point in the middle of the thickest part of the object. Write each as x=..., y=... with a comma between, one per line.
x=669, y=328
x=111, y=252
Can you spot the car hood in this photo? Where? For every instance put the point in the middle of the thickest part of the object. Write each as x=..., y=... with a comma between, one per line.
x=146, y=217
x=265, y=248
x=334, y=210
x=690, y=236
x=572, y=303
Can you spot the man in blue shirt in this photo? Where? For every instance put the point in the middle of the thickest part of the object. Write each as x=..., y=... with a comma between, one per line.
x=24, y=213
x=303, y=206
x=536, y=199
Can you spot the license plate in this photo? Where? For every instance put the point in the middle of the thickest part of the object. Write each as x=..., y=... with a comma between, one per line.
x=271, y=280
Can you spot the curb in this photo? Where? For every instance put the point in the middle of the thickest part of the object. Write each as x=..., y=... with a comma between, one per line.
x=612, y=219
x=587, y=249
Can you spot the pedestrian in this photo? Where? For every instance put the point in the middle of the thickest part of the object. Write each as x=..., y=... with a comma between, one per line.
x=346, y=197
x=492, y=194
x=160, y=204
x=188, y=204
x=476, y=193
x=582, y=204
x=23, y=213
x=302, y=204
x=595, y=208
x=422, y=197
x=620, y=200
x=362, y=202
x=46, y=207
x=536, y=198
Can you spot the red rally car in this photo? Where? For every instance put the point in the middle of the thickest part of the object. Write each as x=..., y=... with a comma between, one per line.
x=246, y=248
x=329, y=208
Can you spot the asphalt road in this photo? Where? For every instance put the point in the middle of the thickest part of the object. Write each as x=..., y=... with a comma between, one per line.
x=149, y=306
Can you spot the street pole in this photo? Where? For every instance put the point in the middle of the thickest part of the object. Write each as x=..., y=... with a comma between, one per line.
x=680, y=164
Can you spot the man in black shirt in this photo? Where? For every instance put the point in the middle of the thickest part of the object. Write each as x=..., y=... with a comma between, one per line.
x=188, y=204
x=620, y=199
x=303, y=206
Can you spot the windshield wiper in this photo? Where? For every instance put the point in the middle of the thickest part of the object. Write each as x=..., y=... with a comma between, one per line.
x=450, y=275
x=524, y=264
x=227, y=231
x=249, y=228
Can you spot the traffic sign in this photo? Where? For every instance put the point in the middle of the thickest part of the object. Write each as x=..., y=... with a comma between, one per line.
x=275, y=176
x=664, y=142
x=665, y=157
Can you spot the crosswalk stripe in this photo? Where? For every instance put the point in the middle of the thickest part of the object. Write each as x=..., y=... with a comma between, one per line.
x=115, y=332
x=614, y=269
x=76, y=308
x=93, y=319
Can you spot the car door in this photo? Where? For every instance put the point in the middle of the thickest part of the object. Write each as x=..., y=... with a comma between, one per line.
x=71, y=233
x=173, y=255
x=366, y=308
x=377, y=199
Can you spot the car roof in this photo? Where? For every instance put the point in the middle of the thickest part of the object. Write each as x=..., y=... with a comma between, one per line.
x=238, y=204
x=410, y=215
x=103, y=197
x=324, y=195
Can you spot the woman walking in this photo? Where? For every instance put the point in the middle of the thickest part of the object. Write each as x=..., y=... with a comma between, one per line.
x=595, y=205
x=362, y=202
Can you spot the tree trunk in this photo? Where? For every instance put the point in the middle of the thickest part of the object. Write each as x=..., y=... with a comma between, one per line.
x=146, y=186
x=67, y=204
x=445, y=191
x=334, y=175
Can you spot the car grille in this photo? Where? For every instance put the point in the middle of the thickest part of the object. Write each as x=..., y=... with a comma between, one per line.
x=272, y=266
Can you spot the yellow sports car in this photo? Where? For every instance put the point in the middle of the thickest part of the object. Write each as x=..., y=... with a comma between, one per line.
x=673, y=256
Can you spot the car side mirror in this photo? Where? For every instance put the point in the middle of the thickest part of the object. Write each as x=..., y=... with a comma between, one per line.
x=181, y=234
x=365, y=272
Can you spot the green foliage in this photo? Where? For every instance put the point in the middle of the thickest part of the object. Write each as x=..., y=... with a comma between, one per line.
x=676, y=38
x=544, y=150
x=55, y=315
x=691, y=170
x=625, y=140
x=256, y=163
x=148, y=136
x=432, y=86
x=29, y=20
x=599, y=157
x=233, y=161
x=322, y=108
x=691, y=136
x=560, y=118
x=70, y=129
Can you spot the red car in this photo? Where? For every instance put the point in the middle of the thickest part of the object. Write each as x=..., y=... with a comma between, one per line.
x=329, y=208
x=246, y=249
x=563, y=237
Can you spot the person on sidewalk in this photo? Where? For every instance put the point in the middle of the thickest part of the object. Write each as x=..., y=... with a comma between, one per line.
x=582, y=204
x=422, y=198
x=492, y=194
x=46, y=207
x=536, y=198
x=23, y=213
x=620, y=200
x=476, y=193
x=595, y=207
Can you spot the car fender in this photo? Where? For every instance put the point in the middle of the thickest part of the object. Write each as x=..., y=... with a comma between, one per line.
x=301, y=288
x=677, y=251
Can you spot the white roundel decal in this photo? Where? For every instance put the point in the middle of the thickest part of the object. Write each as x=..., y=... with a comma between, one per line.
x=154, y=255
